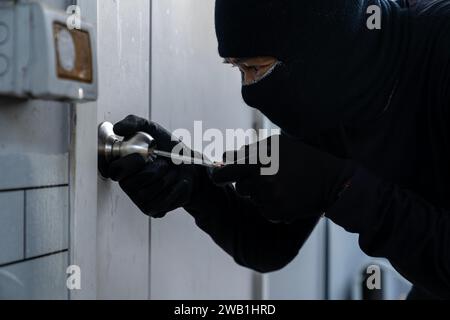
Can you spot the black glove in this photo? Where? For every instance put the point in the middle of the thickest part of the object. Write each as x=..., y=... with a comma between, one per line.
x=156, y=187
x=307, y=183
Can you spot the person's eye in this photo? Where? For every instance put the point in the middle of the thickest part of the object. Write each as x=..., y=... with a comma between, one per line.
x=254, y=69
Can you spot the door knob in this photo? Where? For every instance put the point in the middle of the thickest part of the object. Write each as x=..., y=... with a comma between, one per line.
x=111, y=147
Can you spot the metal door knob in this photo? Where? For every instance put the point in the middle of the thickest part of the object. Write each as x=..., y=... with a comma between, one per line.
x=111, y=147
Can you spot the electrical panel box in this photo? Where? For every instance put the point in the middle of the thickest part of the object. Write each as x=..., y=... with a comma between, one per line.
x=42, y=58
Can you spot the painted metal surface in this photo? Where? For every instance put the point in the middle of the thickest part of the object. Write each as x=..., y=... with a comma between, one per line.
x=124, y=64
x=348, y=262
x=304, y=278
x=189, y=82
x=43, y=58
x=83, y=184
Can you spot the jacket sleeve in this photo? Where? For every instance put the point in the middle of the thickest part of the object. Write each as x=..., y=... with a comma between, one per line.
x=401, y=226
x=236, y=226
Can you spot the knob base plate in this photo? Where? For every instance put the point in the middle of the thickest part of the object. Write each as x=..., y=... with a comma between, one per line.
x=106, y=140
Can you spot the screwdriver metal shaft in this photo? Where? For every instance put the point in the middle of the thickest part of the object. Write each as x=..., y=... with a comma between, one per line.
x=188, y=160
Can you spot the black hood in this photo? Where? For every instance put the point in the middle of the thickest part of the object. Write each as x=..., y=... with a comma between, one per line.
x=335, y=70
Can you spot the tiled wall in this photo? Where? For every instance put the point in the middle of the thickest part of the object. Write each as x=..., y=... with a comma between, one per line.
x=34, y=244
x=34, y=196
x=34, y=199
x=41, y=278
x=46, y=221
x=12, y=220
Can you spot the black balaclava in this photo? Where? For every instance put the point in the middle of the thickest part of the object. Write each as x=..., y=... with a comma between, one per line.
x=334, y=70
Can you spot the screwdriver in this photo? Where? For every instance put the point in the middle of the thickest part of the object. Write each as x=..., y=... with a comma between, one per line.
x=188, y=160
x=112, y=147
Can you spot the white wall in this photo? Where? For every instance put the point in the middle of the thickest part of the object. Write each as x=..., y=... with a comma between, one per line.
x=124, y=77
x=189, y=82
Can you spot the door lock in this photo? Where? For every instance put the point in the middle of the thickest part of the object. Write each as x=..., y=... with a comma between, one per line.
x=111, y=147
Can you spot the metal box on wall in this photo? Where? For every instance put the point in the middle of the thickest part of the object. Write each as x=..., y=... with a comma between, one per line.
x=41, y=56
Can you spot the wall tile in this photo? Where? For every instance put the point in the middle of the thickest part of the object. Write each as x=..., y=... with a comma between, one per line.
x=47, y=220
x=11, y=226
x=43, y=278
x=35, y=143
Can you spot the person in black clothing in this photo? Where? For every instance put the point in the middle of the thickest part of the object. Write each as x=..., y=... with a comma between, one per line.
x=365, y=137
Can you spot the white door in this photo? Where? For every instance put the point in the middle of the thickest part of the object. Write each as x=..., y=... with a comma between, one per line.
x=190, y=83
x=110, y=238
x=122, y=254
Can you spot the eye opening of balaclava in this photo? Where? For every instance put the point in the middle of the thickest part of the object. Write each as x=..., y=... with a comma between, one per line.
x=273, y=68
x=334, y=70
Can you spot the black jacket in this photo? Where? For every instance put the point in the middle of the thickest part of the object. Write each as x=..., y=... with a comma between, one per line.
x=399, y=199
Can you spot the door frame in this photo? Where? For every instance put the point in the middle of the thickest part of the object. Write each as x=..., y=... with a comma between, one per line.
x=83, y=184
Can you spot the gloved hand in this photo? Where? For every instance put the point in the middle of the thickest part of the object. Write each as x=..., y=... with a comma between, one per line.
x=307, y=183
x=156, y=187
